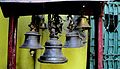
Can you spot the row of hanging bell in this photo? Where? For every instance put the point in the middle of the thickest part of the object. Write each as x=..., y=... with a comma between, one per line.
x=72, y=38
x=53, y=53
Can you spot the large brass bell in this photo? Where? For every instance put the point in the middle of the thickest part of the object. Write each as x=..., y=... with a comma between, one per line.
x=73, y=40
x=83, y=23
x=32, y=40
x=53, y=53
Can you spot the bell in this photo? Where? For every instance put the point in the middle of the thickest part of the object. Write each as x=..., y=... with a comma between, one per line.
x=43, y=26
x=73, y=40
x=53, y=53
x=32, y=40
x=83, y=23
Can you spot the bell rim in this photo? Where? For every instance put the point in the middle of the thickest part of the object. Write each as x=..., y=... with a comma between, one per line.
x=66, y=46
x=53, y=62
x=31, y=47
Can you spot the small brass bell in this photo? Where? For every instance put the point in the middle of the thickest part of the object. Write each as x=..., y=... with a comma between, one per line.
x=53, y=53
x=83, y=23
x=43, y=26
x=42, y=23
x=32, y=40
x=73, y=40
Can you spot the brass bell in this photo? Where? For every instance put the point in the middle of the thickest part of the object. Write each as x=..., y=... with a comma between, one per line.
x=42, y=22
x=73, y=40
x=43, y=26
x=32, y=40
x=53, y=53
x=83, y=23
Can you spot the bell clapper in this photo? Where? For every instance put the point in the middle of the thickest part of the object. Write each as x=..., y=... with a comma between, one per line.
x=32, y=52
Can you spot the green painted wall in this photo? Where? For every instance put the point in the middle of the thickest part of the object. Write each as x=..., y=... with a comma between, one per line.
x=3, y=41
x=76, y=56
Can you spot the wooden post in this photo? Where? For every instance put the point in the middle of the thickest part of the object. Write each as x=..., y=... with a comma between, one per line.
x=100, y=44
x=12, y=42
x=99, y=37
